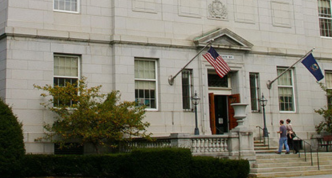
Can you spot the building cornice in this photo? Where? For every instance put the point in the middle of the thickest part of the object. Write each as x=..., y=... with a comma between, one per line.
x=160, y=42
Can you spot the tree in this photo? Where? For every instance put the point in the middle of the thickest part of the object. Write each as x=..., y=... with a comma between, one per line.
x=326, y=125
x=84, y=115
x=12, y=148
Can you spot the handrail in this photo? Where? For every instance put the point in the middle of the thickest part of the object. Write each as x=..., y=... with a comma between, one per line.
x=305, y=152
x=260, y=136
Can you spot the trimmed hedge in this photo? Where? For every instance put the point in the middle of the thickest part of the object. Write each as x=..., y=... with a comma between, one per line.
x=209, y=167
x=154, y=163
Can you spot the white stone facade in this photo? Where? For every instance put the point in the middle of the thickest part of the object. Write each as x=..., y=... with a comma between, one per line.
x=108, y=35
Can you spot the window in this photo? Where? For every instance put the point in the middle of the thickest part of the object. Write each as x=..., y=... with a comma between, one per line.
x=325, y=17
x=186, y=89
x=66, y=5
x=146, y=82
x=214, y=80
x=66, y=69
x=286, y=90
x=254, y=91
x=328, y=81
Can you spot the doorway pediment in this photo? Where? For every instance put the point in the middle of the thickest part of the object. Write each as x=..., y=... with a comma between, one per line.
x=224, y=39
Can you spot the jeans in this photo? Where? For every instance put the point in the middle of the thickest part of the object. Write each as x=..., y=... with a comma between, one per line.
x=282, y=141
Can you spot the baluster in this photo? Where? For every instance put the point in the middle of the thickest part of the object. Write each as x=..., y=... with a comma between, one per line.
x=214, y=145
x=225, y=145
x=194, y=146
x=210, y=144
x=219, y=145
x=206, y=145
x=201, y=145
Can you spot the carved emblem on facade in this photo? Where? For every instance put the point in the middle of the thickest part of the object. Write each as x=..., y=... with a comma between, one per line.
x=217, y=10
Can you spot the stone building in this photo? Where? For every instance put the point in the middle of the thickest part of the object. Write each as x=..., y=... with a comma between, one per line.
x=135, y=46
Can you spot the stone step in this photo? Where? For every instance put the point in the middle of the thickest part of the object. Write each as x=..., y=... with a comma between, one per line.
x=262, y=164
x=290, y=169
x=291, y=174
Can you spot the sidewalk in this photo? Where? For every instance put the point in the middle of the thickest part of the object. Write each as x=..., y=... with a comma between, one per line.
x=316, y=176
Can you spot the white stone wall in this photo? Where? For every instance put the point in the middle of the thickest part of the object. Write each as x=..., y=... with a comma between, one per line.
x=3, y=15
x=3, y=54
x=30, y=61
x=108, y=35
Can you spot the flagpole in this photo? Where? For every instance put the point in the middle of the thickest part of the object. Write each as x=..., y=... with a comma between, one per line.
x=171, y=78
x=269, y=83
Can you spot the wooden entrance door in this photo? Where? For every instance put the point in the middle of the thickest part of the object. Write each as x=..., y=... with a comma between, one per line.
x=212, y=114
x=232, y=99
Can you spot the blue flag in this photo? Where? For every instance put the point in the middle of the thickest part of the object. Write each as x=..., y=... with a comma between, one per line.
x=311, y=64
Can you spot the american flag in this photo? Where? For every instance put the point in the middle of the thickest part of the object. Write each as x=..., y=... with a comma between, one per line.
x=217, y=62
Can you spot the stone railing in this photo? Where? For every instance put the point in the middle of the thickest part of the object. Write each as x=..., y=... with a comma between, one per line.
x=214, y=145
x=210, y=144
x=235, y=145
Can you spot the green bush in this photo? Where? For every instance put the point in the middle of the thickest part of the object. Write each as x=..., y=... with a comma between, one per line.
x=161, y=162
x=156, y=163
x=11, y=142
x=209, y=167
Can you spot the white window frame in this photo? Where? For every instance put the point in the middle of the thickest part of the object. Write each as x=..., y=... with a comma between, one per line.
x=152, y=80
x=328, y=83
x=287, y=86
x=323, y=17
x=60, y=10
x=64, y=76
x=190, y=84
x=256, y=90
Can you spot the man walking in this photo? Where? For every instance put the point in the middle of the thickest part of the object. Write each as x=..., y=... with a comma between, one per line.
x=283, y=137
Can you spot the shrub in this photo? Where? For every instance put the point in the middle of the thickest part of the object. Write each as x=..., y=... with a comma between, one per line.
x=161, y=162
x=209, y=167
x=11, y=142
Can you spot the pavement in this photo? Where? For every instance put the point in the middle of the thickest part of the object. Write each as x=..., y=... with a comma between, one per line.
x=316, y=176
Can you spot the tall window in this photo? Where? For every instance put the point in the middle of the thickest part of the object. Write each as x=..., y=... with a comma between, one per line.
x=186, y=89
x=286, y=90
x=254, y=91
x=66, y=5
x=66, y=69
x=146, y=82
x=325, y=17
x=328, y=81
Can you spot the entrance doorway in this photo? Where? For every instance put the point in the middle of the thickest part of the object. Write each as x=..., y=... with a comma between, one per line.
x=221, y=113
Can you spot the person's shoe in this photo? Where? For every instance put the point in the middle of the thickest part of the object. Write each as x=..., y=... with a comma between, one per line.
x=287, y=152
x=278, y=153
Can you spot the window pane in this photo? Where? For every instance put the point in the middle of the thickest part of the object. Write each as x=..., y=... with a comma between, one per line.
x=215, y=81
x=66, y=66
x=285, y=90
x=145, y=93
x=254, y=91
x=66, y=5
x=286, y=78
x=325, y=17
x=286, y=99
x=186, y=89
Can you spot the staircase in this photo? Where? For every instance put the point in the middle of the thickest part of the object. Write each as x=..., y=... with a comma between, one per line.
x=270, y=164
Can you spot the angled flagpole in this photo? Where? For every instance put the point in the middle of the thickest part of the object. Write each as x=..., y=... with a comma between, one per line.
x=171, y=78
x=269, y=83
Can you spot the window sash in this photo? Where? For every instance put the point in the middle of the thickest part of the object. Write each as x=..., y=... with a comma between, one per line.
x=286, y=90
x=146, y=83
x=66, y=5
x=254, y=91
x=325, y=17
x=66, y=69
x=328, y=82
x=186, y=89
